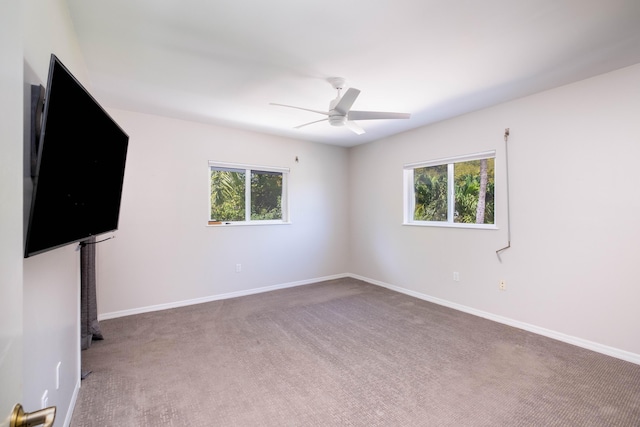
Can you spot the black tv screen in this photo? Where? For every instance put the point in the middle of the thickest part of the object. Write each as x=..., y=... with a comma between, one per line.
x=80, y=168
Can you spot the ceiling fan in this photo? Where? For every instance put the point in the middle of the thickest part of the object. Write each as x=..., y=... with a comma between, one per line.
x=340, y=113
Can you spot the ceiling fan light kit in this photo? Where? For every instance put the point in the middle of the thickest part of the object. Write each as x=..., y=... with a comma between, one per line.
x=340, y=113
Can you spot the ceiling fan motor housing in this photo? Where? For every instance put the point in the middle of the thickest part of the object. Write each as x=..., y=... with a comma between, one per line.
x=337, y=119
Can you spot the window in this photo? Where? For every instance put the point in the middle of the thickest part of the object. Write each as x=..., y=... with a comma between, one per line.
x=458, y=192
x=244, y=194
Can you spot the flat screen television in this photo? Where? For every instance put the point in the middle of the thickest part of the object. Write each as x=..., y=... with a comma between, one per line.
x=78, y=177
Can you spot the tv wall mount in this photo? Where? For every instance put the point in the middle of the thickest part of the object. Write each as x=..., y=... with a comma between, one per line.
x=37, y=111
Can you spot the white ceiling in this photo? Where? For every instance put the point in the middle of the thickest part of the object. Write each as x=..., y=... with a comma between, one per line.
x=224, y=61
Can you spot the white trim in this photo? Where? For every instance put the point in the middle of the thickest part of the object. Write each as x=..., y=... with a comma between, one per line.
x=245, y=166
x=167, y=306
x=247, y=195
x=452, y=225
x=589, y=345
x=72, y=404
x=409, y=197
x=451, y=193
x=409, y=200
x=247, y=169
x=251, y=223
x=78, y=367
x=284, y=201
x=491, y=154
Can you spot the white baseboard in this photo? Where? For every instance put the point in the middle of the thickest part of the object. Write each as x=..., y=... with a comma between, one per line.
x=72, y=405
x=589, y=345
x=150, y=308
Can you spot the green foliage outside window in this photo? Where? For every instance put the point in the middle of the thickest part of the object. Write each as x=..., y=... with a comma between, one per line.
x=228, y=195
x=474, y=192
x=266, y=195
x=430, y=187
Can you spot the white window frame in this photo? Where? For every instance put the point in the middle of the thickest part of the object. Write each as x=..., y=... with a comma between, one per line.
x=409, y=197
x=247, y=212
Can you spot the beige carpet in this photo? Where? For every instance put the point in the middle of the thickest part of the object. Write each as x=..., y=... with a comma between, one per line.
x=344, y=353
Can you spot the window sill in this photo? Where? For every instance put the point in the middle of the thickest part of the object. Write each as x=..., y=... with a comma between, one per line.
x=245, y=223
x=452, y=225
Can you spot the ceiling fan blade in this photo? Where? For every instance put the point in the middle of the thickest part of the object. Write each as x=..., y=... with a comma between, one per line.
x=347, y=100
x=354, y=127
x=375, y=115
x=326, y=113
x=310, y=123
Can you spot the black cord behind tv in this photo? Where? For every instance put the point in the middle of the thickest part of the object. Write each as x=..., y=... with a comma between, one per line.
x=80, y=165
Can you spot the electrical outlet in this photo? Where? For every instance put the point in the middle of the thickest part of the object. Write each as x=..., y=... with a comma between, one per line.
x=456, y=276
x=502, y=285
x=238, y=268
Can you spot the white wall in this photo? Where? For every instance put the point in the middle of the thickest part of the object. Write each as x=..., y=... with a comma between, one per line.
x=572, y=267
x=164, y=252
x=51, y=280
x=10, y=208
